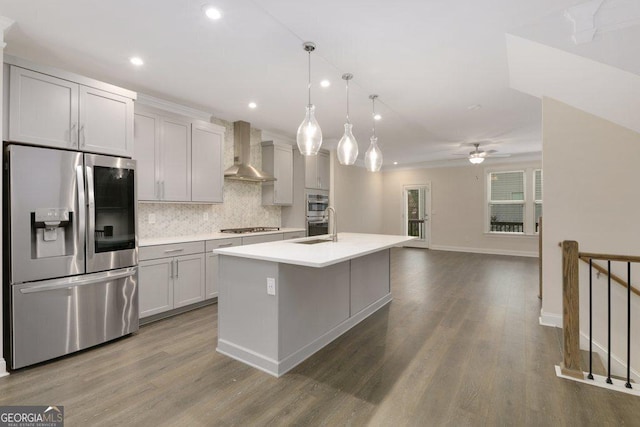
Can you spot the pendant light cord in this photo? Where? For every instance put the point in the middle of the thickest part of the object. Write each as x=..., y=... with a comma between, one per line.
x=309, y=85
x=348, y=101
x=373, y=116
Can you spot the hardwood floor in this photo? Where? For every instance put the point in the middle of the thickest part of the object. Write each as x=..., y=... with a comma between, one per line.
x=459, y=345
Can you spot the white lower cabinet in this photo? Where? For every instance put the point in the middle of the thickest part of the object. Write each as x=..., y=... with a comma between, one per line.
x=169, y=279
x=156, y=286
x=211, y=288
x=188, y=280
x=180, y=274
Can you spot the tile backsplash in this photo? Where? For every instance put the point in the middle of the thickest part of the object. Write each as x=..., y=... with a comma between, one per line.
x=242, y=205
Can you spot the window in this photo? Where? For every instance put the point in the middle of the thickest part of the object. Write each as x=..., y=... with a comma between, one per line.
x=506, y=202
x=537, y=196
x=514, y=201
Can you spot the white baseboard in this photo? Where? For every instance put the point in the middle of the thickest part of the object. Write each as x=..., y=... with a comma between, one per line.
x=600, y=381
x=280, y=367
x=484, y=251
x=3, y=368
x=550, y=319
x=618, y=366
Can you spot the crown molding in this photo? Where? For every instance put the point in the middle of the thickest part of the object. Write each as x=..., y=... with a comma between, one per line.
x=152, y=101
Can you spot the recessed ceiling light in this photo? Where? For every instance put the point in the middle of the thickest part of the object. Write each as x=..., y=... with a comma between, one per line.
x=136, y=60
x=377, y=117
x=212, y=13
x=325, y=83
x=252, y=105
x=474, y=107
x=395, y=163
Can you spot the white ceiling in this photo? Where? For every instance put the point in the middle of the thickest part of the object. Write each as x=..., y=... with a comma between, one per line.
x=427, y=60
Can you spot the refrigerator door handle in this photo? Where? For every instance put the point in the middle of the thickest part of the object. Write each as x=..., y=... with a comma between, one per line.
x=91, y=222
x=81, y=214
x=69, y=282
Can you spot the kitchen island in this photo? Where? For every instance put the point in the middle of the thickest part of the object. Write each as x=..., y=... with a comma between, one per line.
x=280, y=302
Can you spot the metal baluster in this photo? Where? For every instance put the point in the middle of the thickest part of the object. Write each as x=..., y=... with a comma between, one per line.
x=590, y=376
x=609, y=323
x=628, y=384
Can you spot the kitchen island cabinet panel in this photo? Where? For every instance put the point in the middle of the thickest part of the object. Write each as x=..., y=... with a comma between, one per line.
x=369, y=279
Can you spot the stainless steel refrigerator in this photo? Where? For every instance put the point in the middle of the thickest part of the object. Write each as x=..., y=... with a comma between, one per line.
x=71, y=251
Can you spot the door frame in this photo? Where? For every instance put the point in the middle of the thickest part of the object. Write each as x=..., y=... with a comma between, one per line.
x=426, y=243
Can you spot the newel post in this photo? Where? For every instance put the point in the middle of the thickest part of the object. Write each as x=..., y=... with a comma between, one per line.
x=570, y=310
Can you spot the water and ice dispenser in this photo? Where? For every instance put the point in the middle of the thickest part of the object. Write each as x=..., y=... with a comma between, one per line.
x=52, y=232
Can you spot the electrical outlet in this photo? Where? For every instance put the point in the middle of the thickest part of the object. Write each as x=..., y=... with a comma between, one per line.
x=271, y=286
x=205, y=216
x=152, y=218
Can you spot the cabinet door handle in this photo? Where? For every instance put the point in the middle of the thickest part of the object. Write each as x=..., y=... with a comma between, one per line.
x=225, y=245
x=83, y=139
x=171, y=251
x=73, y=134
x=171, y=274
x=177, y=269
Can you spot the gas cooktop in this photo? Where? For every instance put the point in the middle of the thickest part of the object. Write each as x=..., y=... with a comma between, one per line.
x=249, y=230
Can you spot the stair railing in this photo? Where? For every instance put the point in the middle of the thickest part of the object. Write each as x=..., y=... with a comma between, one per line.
x=571, y=364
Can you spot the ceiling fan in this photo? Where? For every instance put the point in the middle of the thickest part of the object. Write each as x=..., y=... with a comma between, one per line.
x=477, y=156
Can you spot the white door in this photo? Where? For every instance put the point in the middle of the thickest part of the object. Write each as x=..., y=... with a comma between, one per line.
x=417, y=210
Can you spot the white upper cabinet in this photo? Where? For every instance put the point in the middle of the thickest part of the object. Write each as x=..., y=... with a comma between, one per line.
x=179, y=158
x=277, y=160
x=58, y=112
x=207, y=142
x=146, y=133
x=316, y=171
x=175, y=159
x=106, y=122
x=43, y=110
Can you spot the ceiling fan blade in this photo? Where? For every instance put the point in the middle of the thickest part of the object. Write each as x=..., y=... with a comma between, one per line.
x=495, y=156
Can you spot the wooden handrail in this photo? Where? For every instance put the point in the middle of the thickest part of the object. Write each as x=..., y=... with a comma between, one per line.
x=603, y=270
x=605, y=257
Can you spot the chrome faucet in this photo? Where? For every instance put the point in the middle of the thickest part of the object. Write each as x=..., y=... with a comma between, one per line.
x=334, y=235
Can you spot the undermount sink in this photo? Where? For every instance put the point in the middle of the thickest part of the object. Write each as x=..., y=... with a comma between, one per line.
x=313, y=241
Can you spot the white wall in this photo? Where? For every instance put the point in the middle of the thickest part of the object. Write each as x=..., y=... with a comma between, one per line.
x=357, y=197
x=591, y=191
x=457, y=208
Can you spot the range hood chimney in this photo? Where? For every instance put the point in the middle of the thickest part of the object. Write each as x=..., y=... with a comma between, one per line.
x=242, y=169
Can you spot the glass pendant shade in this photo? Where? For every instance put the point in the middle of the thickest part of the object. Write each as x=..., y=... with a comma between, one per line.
x=373, y=156
x=476, y=160
x=309, y=136
x=347, y=147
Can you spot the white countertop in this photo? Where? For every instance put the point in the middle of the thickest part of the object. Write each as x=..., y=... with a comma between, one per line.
x=152, y=241
x=348, y=246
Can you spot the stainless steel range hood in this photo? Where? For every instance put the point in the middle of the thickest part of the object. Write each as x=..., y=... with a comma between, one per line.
x=242, y=170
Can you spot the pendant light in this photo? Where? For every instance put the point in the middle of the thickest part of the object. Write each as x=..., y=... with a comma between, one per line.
x=348, y=146
x=309, y=136
x=373, y=156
